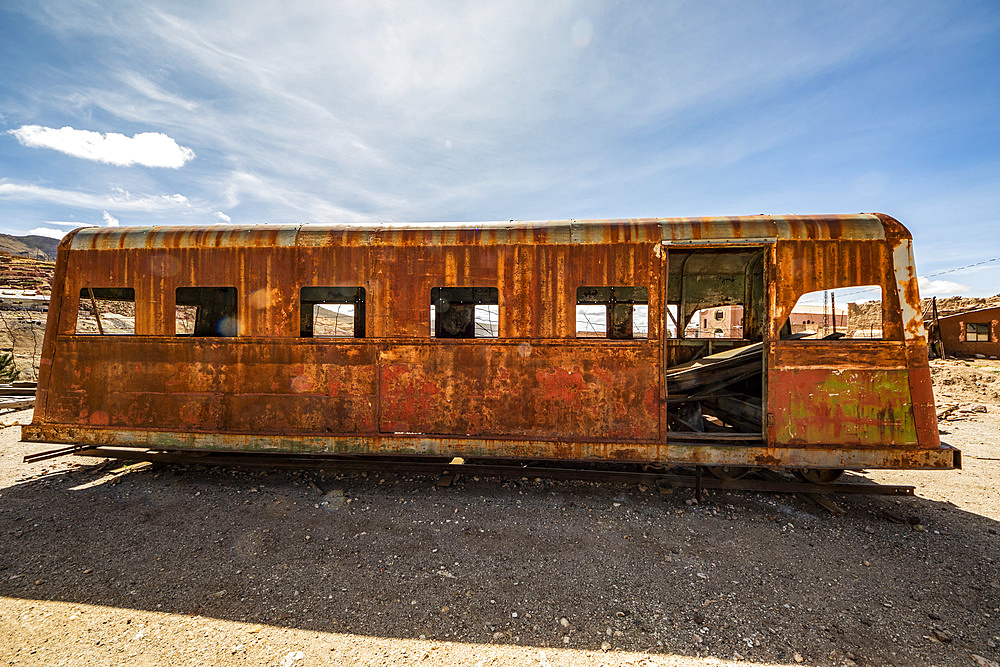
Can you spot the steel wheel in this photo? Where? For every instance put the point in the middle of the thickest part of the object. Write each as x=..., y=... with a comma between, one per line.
x=820, y=475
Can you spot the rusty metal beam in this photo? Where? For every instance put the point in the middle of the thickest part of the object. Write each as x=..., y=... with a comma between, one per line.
x=448, y=471
x=813, y=456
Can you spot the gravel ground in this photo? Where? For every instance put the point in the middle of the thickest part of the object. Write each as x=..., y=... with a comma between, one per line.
x=102, y=563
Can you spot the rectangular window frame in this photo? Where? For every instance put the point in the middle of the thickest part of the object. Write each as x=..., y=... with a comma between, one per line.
x=826, y=328
x=216, y=316
x=619, y=303
x=311, y=296
x=463, y=303
x=92, y=296
x=977, y=332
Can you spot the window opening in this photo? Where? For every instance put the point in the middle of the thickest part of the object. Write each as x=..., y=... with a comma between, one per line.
x=672, y=320
x=725, y=322
x=465, y=312
x=591, y=321
x=332, y=312
x=206, y=311
x=846, y=313
x=716, y=288
x=612, y=312
x=106, y=311
x=184, y=317
x=976, y=332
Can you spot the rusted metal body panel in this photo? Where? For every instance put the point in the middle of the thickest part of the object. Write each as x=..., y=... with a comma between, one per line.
x=829, y=393
x=207, y=385
x=578, y=391
x=536, y=392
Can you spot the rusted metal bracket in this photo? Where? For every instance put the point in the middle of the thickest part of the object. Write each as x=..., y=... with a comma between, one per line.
x=97, y=313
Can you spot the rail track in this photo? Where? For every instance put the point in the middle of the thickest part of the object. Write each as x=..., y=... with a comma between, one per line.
x=665, y=480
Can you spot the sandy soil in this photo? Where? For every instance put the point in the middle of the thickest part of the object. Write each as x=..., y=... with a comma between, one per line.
x=105, y=564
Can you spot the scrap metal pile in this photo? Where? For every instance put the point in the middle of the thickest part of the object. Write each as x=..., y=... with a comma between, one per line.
x=17, y=396
x=718, y=393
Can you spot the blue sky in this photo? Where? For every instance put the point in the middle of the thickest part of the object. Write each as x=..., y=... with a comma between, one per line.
x=248, y=112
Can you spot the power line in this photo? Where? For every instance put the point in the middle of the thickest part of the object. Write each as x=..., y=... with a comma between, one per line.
x=929, y=275
x=960, y=268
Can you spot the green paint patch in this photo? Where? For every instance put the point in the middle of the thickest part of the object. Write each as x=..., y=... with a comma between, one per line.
x=844, y=407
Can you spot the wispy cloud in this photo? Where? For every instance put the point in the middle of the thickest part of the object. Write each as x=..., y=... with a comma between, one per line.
x=937, y=287
x=50, y=232
x=242, y=186
x=120, y=199
x=148, y=149
x=152, y=91
x=64, y=223
x=109, y=220
x=328, y=110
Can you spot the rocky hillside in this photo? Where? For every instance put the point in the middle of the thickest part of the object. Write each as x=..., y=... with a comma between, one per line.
x=38, y=247
x=869, y=313
x=25, y=273
x=959, y=304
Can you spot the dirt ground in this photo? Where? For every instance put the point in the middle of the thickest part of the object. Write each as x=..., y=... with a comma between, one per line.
x=105, y=564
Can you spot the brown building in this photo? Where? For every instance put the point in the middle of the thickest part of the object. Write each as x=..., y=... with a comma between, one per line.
x=820, y=319
x=727, y=321
x=972, y=332
x=720, y=322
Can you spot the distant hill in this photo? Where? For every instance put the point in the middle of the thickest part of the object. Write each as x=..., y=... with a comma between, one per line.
x=40, y=247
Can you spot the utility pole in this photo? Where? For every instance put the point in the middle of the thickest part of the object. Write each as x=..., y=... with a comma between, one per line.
x=826, y=311
x=833, y=307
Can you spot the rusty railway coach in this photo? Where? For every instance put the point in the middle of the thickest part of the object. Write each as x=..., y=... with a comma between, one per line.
x=563, y=340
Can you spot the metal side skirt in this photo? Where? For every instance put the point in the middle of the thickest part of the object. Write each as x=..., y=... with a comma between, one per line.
x=943, y=457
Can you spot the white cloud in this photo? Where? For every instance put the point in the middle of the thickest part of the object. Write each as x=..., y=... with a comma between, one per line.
x=222, y=218
x=425, y=111
x=930, y=287
x=241, y=186
x=121, y=199
x=155, y=93
x=109, y=220
x=50, y=232
x=148, y=149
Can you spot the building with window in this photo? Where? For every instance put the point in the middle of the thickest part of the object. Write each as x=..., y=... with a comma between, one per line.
x=720, y=322
x=727, y=321
x=972, y=332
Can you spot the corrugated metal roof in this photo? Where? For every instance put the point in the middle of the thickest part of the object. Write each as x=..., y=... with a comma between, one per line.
x=815, y=227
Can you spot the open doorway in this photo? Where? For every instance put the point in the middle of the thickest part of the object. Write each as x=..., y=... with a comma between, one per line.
x=715, y=322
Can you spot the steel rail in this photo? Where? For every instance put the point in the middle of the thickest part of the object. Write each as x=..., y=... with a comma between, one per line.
x=507, y=469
